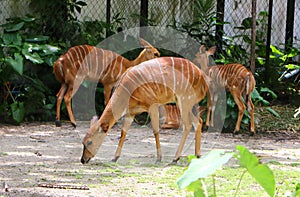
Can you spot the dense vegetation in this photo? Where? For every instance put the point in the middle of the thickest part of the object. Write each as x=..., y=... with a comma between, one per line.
x=30, y=45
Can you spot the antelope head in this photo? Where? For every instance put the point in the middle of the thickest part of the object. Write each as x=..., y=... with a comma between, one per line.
x=202, y=57
x=149, y=51
x=92, y=141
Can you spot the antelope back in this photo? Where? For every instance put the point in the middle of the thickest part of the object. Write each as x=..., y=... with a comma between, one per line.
x=92, y=62
x=230, y=75
x=160, y=79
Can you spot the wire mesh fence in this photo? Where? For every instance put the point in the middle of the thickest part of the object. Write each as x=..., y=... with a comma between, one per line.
x=179, y=13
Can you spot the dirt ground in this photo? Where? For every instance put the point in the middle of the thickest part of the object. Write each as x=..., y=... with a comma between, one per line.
x=40, y=153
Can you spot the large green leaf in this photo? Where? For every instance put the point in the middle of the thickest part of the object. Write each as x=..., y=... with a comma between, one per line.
x=256, y=96
x=267, y=90
x=272, y=111
x=203, y=167
x=33, y=57
x=260, y=172
x=16, y=63
x=18, y=111
x=37, y=39
x=297, y=191
x=276, y=51
x=14, y=27
x=12, y=38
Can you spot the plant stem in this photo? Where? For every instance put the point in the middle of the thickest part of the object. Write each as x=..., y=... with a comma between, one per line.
x=10, y=94
x=214, y=186
x=237, y=187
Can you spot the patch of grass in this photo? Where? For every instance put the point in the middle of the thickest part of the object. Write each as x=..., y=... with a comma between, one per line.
x=76, y=174
x=294, y=164
x=2, y=154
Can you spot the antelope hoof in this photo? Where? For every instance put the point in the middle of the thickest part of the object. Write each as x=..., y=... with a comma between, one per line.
x=205, y=128
x=57, y=123
x=174, y=162
x=74, y=125
x=115, y=159
x=235, y=132
x=252, y=133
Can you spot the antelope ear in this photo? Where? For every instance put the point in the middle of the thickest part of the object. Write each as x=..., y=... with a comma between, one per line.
x=94, y=120
x=144, y=43
x=202, y=49
x=211, y=50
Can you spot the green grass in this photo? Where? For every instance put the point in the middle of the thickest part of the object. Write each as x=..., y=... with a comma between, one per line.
x=227, y=179
x=161, y=180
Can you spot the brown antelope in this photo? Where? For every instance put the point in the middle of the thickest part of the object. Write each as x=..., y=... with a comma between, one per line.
x=142, y=89
x=94, y=64
x=235, y=78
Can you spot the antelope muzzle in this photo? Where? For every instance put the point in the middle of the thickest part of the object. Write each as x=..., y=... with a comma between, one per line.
x=86, y=156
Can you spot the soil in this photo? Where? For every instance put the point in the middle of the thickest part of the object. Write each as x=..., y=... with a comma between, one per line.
x=39, y=154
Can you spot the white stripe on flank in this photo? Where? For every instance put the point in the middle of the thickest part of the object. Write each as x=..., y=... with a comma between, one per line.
x=108, y=66
x=109, y=62
x=80, y=58
x=69, y=59
x=193, y=75
x=60, y=65
x=96, y=64
x=163, y=78
x=174, y=76
x=188, y=77
x=121, y=66
x=151, y=72
x=182, y=74
x=144, y=81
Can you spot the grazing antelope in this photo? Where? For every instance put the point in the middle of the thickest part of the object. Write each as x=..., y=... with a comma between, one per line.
x=235, y=78
x=94, y=64
x=144, y=88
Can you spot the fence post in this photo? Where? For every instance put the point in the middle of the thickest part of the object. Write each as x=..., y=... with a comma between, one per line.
x=220, y=22
x=144, y=13
x=108, y=5
x=289, y=29
x=143, y=17
x=268, y=49
x=253, y=35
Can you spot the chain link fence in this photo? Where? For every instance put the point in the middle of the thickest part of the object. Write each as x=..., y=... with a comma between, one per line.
x=180, y=12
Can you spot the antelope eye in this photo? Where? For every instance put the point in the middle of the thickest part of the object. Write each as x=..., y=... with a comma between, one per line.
x=89, y=143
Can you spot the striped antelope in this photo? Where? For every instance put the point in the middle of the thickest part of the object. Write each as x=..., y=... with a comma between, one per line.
x=144, y=88
x=94, y=64
x=235, y=78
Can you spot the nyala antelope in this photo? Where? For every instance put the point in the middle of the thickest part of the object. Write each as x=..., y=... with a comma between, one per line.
x=144, y=88
x=93, y=64
x=235, y=78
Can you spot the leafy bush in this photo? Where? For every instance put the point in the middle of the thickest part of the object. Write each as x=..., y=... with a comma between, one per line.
x=26, y=61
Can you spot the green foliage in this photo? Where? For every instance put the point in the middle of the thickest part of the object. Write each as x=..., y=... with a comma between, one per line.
x=194, y=177
x=61, y=22
x=297, y=191
x=261, y=172
x=202, y=27
x=203, y=167
x=94, y=31
x=23, y=56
